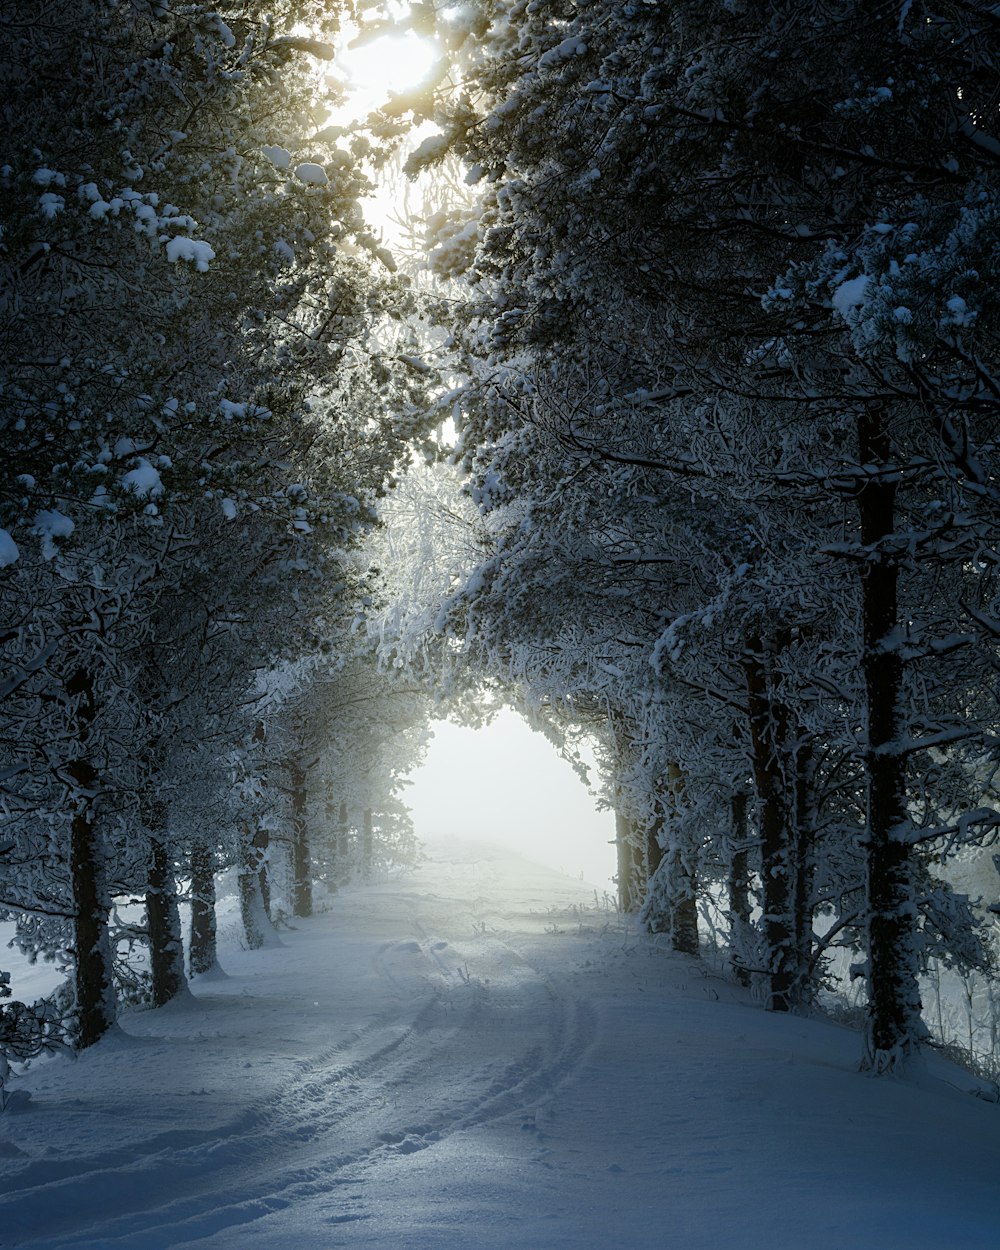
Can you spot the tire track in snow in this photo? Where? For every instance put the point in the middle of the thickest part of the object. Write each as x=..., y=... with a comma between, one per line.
x=333, y=1123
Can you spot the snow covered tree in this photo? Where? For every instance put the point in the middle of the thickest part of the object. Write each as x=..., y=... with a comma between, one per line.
x=186, y=379
x=755, y=306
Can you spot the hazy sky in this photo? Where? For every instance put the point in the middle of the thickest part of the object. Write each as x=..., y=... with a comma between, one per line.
x=507, y=783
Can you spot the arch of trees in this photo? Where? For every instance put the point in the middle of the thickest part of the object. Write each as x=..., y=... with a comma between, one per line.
x=721, y=344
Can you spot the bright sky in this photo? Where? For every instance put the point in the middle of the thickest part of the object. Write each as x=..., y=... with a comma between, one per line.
x=391, y=63
x=508, y=784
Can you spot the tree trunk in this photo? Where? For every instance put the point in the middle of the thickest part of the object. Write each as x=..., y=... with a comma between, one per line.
x=203, y=953
x=894, y=1028
x=163, y=920
x=342, y=862
x=252, y=880
x=328, y=843
x=768, y=734
x=738, y=889
x=262, y=858
x=671, y=903
x=803, y=873
x=367, y=846
x=302, y=886
x=96, y=1008
x=628, y=874
x=683, y=903
x=654, y=849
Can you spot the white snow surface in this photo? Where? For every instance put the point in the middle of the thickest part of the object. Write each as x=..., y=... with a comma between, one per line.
x=475, y=1057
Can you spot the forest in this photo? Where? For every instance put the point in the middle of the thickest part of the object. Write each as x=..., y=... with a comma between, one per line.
x=668, y=416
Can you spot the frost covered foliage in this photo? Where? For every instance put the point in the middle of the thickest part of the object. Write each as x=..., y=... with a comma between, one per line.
x=27, y=1031
x=195, y=426
x=732, y=338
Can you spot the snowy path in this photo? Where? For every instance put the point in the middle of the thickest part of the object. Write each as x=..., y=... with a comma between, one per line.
x=478, y=1058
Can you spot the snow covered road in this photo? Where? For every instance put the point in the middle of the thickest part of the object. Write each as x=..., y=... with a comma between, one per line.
x=478, y=1057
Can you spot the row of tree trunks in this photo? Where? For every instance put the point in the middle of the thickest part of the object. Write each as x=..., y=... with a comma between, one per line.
x=96, y=1007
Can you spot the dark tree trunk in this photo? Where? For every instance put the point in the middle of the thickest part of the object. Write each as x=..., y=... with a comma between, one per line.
x=163, y=920
x=654, y=849
x=94, y=980
x=738, y=886
x=203, y=954
x=95, y=993
x=262, y=857
x=893, y=1027
x=671, y=903
x=803, y=875
x=302, y=886
x=768, y=734
x=683, y=909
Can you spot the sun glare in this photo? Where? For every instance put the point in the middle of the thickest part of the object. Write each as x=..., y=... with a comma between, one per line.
x=371, y=72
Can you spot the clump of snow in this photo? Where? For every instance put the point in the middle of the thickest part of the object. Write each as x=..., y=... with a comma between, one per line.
x=8, y=549
x=144, y=480
x=225, y=34
x=231, y=410
x=50, y=204
x=195, y=250
x=311, y=174
x=958, y=313
x=50, y=525
x=433, y=147
x=564, y=51
x=279, y=157
x=229, y=509
x=850, y=295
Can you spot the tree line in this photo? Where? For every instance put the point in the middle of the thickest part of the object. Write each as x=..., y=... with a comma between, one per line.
x=717, y=322
x=729, y=337
x=204, y=397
